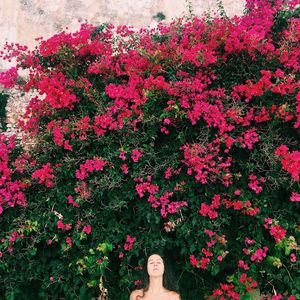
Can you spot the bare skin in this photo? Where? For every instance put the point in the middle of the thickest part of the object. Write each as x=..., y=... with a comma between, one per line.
x=166, y=295
x=156, y=291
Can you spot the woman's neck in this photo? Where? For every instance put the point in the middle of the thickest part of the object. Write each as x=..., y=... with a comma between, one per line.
x=156, y=285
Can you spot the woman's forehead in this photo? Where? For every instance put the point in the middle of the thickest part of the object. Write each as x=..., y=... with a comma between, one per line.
x=154, y=257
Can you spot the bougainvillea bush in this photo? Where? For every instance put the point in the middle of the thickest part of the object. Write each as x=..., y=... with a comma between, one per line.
x=183, y=140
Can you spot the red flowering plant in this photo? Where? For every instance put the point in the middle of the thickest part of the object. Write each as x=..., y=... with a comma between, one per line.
x=182, y=139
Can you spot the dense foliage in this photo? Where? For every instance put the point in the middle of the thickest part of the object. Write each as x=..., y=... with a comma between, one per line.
x=3, y=103
x=182, y=139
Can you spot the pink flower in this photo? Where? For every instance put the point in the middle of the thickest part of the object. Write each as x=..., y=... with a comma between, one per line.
x=206, y=163
x=67, y=226
x=282, y=150
x=56, y=92
x=49, y=242
x=164, y=130
x=249, y=241
x=90, y=165
x=57, y=136
x=136, y=155
x=129, y=242
x=209, y=233
x=143, y=187
x=277, y=297
x=137, y=282
x=87, y=229
x=61, y=225
x=203, y=262
x=290, y=161
x=293, y=258
x=45, y=174
x=277, y=232
x=237, y=192
x=72, y=202
x=268, y=221
x=249, y=138
x=193, y=261
x=124, y=169
x=69, y=241
x=242, y=265
x=67, y=145
x=254, y=183
x=259, y=254
x=167, y=121
x=295, y=197
x=207, y=210
x=168, y=173
x=122, y=154
x=206, y=252
x=83, y=191
x=8, y=78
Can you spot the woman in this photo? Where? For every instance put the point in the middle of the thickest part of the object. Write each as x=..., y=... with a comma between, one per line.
x=155, y=288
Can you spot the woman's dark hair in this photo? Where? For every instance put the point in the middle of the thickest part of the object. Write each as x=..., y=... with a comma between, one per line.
x=168, y=278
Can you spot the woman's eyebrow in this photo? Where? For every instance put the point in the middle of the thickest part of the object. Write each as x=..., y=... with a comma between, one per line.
x=151, y=260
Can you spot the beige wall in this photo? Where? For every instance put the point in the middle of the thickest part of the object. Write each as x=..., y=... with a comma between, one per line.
x=24, y=20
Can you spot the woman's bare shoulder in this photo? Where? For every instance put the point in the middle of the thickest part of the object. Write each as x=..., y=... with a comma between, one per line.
x=135, y=293
x=175, y=296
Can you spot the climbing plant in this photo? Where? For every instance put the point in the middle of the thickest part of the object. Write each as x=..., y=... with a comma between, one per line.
x=182, y=140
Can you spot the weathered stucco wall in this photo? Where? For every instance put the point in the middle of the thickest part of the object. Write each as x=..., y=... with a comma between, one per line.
x=24, y=20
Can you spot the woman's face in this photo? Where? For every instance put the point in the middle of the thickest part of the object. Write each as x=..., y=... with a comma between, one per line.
x=155, y=266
